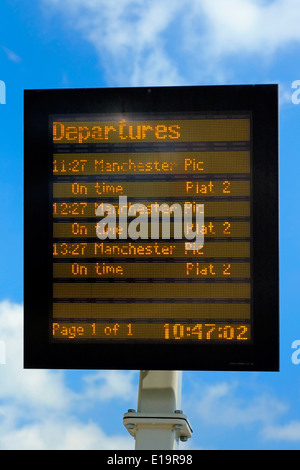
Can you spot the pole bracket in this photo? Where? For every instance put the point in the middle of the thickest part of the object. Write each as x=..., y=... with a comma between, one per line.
x=176, y=422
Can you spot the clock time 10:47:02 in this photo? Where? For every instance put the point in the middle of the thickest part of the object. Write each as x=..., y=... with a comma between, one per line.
x=207, y=331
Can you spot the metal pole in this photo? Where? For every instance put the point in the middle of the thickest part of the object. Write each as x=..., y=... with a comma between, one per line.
x=159, y=423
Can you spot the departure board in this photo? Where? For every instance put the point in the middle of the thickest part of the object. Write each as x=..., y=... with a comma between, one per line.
x=144, y=218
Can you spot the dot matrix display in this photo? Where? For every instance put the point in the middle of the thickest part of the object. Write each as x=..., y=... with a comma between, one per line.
x=204, y=159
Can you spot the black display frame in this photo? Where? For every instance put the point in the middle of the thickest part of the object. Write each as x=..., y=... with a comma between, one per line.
x=261, y=101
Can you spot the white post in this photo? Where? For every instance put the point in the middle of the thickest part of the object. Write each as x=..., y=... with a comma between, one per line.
x=159, y=423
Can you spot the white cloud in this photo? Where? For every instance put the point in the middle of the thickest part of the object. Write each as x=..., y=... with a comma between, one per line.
x=61, y=435
x=158, y=42
x=38, y=410
x=127, y=35
x=111, y=385
x=222, y=404
x=289, y=432
x=34, y=388
x=241, y=406
x=11, y=55
x=250, y=26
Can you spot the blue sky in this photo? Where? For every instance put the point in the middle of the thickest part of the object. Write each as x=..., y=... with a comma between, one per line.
x=105, y=43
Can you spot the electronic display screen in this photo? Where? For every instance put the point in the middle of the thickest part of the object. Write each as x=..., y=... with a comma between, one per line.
x=144, y=216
